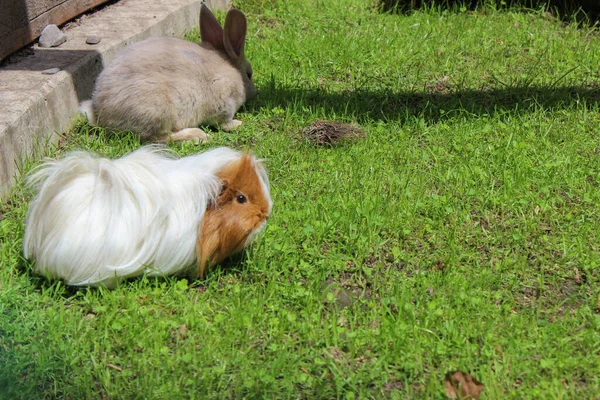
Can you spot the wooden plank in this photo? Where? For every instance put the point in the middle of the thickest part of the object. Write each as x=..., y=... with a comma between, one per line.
x=35, y=8
x=20, y=26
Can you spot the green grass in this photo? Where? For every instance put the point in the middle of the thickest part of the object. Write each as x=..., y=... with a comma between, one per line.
x=461, y=233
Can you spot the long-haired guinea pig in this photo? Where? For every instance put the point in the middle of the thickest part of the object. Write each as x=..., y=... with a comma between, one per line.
x=96, y=221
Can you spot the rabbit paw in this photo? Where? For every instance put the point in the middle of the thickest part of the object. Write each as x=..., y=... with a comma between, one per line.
x=197, y=135
x=231, y=125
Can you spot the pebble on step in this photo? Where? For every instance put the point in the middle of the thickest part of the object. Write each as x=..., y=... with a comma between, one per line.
x=93, y=39
x=51, y=71
x=52, y=36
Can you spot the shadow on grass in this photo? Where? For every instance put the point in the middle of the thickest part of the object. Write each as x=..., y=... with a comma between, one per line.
x=585, y=12
x=431, y=105
x=234, y=265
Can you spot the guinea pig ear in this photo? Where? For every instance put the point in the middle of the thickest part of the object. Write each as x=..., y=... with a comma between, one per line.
x=226, y=193
x=224, y=185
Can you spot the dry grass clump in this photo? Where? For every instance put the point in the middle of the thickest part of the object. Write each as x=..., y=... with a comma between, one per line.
x=330, y=133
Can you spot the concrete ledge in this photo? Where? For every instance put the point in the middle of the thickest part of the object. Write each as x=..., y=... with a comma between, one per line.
x=22, y=21
x=34, y=107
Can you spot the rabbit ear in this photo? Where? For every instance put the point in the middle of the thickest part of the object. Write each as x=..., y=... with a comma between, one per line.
x=210, y=29
x=235, y=34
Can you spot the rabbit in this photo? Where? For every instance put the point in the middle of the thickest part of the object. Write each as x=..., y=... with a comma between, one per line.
x=162, y=88
x=96, y=221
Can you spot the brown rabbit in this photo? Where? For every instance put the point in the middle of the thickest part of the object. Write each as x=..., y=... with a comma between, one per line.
x=239, y=213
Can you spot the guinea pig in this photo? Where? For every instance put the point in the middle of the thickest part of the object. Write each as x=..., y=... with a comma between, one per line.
x=96, y=221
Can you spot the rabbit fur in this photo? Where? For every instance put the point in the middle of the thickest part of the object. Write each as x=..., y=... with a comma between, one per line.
x=162, y=88
x=96, y=221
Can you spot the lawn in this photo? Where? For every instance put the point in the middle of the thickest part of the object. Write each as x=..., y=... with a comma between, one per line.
x=462, y=232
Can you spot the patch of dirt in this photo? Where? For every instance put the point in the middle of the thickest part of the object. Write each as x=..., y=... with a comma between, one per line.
x=346, y=290
x=265, y=21
x=560, y=298
x=275, y=124
x=330, y=133
x=440, y=86
x=391, y=386
x=460, y=385
x=182, y=332
x=384, y=255
x=364, y=359
x=95, y=10
x=343, y=358
x=337, y=354
x=527, y=297
x=341, y=298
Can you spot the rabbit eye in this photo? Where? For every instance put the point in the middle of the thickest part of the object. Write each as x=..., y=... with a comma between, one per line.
x=241, y=199
x=249, y=75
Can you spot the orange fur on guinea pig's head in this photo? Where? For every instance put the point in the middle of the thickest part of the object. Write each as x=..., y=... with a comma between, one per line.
x=240, y=212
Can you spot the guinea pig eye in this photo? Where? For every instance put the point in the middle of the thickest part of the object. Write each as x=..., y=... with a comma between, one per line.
x=241, y=199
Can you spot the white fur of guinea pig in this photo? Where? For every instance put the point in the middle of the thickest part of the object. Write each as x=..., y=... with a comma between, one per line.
x=162, y=88
x=96, y=221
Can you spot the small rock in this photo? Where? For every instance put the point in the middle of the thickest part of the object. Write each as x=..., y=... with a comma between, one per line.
x=52, y=36
x=50, y=71
x=93, y=39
